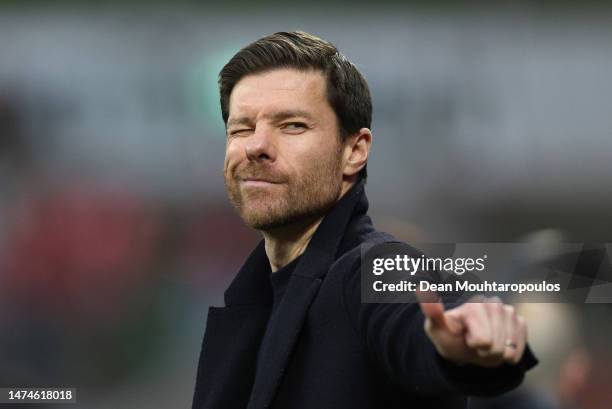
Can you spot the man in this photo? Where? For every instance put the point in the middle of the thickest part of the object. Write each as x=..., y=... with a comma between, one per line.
x=294, y=333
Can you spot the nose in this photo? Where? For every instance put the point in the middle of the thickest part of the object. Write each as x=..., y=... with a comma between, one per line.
x=259, y=146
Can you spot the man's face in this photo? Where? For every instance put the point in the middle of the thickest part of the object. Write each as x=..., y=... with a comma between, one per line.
x=283, y=154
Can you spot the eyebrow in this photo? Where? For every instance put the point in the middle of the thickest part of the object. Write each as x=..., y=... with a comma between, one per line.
x=243, y=120
x=292, y=113
x=274, y=117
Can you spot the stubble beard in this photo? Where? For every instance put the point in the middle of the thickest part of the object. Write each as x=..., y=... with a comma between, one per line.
x=300, y=198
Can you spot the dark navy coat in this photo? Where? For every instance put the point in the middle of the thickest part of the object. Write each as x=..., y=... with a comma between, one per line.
x=326, y=349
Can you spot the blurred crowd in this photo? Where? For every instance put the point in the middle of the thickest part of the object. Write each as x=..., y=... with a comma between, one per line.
x=96, y=279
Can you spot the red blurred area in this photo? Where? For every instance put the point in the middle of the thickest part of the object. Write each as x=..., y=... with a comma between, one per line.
x=79, y=251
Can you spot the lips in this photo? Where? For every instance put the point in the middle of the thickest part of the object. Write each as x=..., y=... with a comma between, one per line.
x=257, y=175
x=259, y=180
x=256, y=182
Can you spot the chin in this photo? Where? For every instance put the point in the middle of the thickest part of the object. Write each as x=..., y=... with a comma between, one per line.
x=262, y=223
x=264, y=219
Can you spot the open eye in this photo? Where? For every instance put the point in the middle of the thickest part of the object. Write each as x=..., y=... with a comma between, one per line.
x=294, y=127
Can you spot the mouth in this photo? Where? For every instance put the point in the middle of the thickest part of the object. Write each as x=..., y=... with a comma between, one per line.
x=257, y=182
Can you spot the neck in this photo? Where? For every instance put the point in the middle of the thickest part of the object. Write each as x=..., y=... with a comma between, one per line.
x=283, y=245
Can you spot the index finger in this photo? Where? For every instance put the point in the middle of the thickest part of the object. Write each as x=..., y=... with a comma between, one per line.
x=432, y=307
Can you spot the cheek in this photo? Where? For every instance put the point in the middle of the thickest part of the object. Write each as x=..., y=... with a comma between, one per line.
x=233, y=155
x=309, y=154
x=324, y=152
x=294, y=160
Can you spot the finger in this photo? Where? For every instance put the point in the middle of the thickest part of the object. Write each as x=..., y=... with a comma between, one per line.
x=476, y=322
x=432, y=308
x=454, y=321
x=511, y=338
x=497, y=318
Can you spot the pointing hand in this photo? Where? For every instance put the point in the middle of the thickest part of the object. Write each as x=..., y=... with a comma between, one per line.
x=483, y=331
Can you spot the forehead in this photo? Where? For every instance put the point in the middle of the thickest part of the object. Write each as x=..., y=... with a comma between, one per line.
x=280, y=89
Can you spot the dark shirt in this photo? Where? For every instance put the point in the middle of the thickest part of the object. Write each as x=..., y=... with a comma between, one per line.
x=279, y=280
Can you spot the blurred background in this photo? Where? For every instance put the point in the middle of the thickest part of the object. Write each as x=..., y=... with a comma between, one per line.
x=492, y=122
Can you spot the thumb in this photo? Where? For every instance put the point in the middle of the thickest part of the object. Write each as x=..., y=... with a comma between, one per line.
x=432, y=308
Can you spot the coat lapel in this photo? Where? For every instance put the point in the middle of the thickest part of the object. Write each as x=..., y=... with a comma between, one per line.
x=300, y=293
x=229, y=351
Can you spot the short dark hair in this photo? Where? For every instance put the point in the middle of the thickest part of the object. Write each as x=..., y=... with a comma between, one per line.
x=347, y=90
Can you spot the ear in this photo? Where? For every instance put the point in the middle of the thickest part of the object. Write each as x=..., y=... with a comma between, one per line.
x=356, y=151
